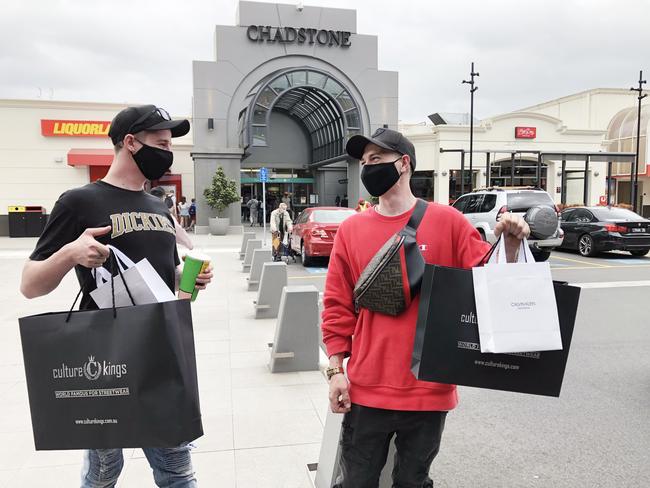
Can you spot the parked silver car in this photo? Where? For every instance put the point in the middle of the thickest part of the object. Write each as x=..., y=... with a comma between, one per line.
x=483, y=207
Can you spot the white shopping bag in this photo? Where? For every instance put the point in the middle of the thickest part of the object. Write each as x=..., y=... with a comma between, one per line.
x=515, y=304
x=144, y=282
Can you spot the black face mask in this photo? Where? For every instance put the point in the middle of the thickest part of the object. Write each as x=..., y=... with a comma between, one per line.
x=379, y=178
x=153, y=162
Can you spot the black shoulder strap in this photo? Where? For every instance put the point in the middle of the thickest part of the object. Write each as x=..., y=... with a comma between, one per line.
x=416, y=217
x=414, y=261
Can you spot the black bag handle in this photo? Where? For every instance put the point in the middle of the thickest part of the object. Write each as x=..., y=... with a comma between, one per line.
x=487, y=256
x=114, y=264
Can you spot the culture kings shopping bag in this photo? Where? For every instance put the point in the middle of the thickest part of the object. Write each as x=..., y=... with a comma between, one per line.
x=446, y=345
x=112, y=378
x=144, y=282
x=515, y=304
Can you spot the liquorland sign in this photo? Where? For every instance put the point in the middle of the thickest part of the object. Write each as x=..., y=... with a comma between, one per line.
x=74, y=128
x=301, y=35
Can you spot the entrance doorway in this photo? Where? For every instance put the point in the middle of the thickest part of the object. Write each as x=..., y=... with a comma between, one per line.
x=296, y=185
x=524, y=173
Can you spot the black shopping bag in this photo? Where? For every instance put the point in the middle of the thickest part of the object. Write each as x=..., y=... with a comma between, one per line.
x=111, y=378
x=446, y=347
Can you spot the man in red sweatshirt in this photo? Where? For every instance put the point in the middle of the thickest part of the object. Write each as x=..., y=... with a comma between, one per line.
x=380, y=396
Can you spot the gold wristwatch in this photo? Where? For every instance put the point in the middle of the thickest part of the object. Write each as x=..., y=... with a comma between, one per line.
x=332, y=371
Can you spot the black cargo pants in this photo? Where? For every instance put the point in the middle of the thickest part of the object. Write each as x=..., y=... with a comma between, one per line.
x=365, y=440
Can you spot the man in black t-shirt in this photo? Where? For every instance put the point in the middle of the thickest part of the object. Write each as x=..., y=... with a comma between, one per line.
x=117, y=211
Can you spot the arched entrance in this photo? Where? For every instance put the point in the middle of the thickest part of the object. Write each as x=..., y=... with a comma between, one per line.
x=294, y=122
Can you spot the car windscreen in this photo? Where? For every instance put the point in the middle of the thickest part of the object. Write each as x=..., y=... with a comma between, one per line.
x=523, y=200
x=610, y=214
x=331, y=216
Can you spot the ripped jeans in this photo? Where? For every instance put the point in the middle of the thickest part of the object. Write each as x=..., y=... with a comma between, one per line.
x=172, y=467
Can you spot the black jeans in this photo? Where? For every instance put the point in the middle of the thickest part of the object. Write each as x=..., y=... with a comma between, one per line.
x=365, y=441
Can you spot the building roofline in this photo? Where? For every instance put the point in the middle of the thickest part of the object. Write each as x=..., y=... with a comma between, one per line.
x=574, y=96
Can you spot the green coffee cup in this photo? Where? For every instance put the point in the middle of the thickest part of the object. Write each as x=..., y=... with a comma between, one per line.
x=195, y=263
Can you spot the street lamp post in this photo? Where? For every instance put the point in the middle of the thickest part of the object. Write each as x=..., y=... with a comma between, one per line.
x=635, y=178
x=472, y=89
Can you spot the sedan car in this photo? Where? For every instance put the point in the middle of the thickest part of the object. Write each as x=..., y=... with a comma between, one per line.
x=314, y=231
x=590, y=230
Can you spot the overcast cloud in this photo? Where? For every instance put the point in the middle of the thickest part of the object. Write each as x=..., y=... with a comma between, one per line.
x=140, y=51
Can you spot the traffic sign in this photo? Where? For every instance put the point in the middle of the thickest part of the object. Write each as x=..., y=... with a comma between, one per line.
x=264, y=175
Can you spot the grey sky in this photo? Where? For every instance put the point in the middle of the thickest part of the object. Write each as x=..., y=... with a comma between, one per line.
x=141, y=51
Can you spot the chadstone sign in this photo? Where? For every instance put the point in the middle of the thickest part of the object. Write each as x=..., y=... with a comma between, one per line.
x=290, y=35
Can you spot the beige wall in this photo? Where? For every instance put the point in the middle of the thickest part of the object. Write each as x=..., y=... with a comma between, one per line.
x=34, y=168
x=497, y=133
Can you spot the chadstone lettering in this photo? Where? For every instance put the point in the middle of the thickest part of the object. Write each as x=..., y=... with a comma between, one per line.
x=292, y=35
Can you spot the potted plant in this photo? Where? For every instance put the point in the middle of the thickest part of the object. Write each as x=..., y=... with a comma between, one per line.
x=222, y=192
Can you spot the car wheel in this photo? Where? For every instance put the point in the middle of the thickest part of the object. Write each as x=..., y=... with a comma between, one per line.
x=640, y=252
x=541, y=256
x=307, y=260
x=482, y=234
x=586, y=246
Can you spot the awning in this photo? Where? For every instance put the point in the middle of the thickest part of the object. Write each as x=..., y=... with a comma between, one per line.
x=90, y=157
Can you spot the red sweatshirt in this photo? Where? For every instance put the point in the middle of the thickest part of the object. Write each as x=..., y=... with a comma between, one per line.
x=380, y=346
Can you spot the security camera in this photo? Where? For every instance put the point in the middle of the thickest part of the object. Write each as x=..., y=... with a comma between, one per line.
x=299, y=7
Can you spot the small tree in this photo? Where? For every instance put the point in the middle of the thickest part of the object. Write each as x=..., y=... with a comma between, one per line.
x=222, y=192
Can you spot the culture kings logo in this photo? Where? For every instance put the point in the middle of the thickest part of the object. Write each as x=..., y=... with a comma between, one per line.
x=74, y=128
x=468, y=319
x=92, y=370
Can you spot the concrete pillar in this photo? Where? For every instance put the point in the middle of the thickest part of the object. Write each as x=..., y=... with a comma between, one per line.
x=272, y=281
x=295, y=347
x=260, y=256
x=251, y=245
x=245, y=238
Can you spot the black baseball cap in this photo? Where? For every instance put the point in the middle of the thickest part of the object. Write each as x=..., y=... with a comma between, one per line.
x=389, y=139
x=145, y=117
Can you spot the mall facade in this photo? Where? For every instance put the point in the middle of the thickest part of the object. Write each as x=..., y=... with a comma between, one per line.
x=287, y=87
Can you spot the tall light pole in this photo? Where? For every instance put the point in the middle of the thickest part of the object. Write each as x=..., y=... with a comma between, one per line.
x=472, y=89
x=635, y=178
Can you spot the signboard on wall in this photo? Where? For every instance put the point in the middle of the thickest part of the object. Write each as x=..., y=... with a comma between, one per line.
x=525, y=132
x=74, y=128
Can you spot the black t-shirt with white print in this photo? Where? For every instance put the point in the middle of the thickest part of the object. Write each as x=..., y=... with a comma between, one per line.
x=142, y=227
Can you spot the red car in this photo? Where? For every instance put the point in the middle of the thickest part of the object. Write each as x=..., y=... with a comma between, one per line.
x=314, y=231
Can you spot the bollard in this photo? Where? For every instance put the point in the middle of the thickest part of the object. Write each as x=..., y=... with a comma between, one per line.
x=251, y=245
x=296, y=343
x=247, y=236
x=328, y=470
x=260, y=256
x=273, y=279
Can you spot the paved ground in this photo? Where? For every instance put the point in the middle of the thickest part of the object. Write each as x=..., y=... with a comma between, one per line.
x=262, y=429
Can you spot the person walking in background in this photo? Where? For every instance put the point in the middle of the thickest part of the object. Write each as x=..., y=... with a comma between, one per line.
x=184, y=212
x=181, y=235
x=362, y=205
x=337, y=201
x=344, y=202
x=281, y=226
x=192, y=212
x=253, y=206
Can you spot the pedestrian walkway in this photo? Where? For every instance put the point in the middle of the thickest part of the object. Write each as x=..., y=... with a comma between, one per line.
x=261, y=429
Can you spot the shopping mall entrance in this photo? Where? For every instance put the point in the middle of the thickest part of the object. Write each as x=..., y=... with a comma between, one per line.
x=298, y=185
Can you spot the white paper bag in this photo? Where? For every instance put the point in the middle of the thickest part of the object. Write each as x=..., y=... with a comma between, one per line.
x=144, y=282
x=515, y=304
